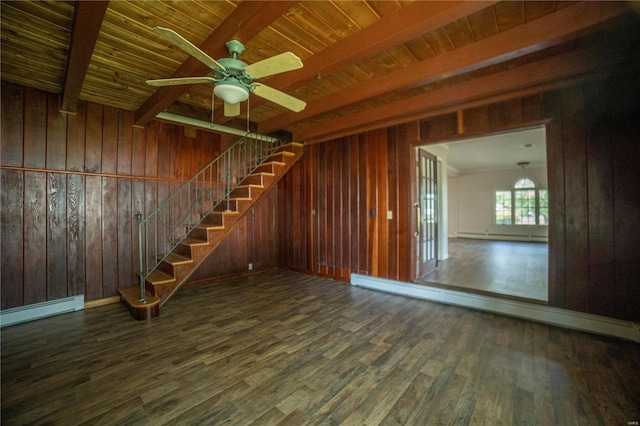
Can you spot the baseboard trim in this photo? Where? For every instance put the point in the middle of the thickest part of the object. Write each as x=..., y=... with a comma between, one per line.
x=539, y=313
x=41, y=310
x=101, y=302
x=502, y=237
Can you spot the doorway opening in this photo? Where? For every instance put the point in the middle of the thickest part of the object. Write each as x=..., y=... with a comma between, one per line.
x=492, y=214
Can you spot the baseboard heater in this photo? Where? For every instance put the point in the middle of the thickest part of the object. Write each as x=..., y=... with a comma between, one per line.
x=502, y=237
x=41, y=310
x=539, y=313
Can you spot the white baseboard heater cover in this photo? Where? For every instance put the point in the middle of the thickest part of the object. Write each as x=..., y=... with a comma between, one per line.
x=41, y=310
x=544, y=314
x=502, y=237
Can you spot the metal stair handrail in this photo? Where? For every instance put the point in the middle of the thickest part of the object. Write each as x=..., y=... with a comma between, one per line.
x=166, y=227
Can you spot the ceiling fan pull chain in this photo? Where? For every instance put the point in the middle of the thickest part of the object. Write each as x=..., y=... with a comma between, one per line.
x=213, y=104
x=248, y=100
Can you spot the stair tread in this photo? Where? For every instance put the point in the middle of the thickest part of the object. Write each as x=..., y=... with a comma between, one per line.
x=194, y=242
x=249, y=185
x=262, y=173
x=176, y=259
x=210, y=227
x=225, y=212
x=159, y=277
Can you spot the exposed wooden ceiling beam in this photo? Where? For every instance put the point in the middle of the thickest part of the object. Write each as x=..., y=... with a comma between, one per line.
x=552, y=69
x=87, y=21
x=407, y=23
x=244, y=23
x=536, y=35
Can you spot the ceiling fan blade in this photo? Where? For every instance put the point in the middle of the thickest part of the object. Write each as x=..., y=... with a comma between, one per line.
x=187, y=46
x=231, y=110
x=278, y=97
x=183, y=80
x=275, y=65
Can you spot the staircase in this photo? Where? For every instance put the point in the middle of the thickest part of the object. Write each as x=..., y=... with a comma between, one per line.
x=172, y=248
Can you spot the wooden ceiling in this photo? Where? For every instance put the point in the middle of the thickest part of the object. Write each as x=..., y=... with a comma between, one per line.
x=367, y=64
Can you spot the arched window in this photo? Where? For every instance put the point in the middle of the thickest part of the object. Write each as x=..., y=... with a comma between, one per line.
x=524, y=204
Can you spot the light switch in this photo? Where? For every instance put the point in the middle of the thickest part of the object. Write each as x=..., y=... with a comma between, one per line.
x=390, y=214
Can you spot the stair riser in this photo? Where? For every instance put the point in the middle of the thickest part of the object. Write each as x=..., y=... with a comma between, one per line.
x=280, y=157
x=244, y=192
x=199, y=234
x=265, y=168
x=223, y=206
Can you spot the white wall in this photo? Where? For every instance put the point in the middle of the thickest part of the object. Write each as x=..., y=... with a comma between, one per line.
x=472, y=210
x=452, y=181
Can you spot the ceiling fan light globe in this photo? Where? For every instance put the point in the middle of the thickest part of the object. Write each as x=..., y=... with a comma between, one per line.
x=230, y=93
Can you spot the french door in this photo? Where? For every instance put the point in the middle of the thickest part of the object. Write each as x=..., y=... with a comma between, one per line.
x=426, y=207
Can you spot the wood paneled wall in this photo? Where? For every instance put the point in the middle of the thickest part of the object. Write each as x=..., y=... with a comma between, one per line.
x=335, y=201
x=71, y=186
x=334, y=208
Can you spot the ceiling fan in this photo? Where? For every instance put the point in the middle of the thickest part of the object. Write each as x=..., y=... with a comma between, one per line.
x=233, y=78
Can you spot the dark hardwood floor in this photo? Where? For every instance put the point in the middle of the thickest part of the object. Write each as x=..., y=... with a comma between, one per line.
x=511, y=268
x=280, y=347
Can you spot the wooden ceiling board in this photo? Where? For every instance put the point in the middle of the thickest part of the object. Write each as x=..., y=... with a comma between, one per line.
x=537, y=9
x=420, y=49
x=382, y=8
x=338, y=25
x=293, y=26
x=58, y=13
x=483, y=23
x=460, y=33
x=361, y=13
x=509, y=14
x=439, y=41
x=354, y=45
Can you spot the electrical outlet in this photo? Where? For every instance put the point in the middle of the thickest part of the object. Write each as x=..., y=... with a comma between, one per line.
x=251, y=266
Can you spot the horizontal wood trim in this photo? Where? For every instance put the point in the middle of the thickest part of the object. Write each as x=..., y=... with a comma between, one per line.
x=101, y=302
x=105, y=175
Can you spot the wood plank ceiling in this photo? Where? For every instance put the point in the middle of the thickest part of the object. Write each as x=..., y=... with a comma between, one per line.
x=367, y=63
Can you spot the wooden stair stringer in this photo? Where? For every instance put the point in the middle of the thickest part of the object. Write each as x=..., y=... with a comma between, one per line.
x=201, y=252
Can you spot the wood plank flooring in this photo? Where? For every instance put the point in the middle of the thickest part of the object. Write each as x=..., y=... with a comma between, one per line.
x=280, y=347
x=519, y=269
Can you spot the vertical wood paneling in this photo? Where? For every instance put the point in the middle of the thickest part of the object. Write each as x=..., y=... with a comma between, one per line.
x=354, y=203
x=344, y=231
x=93, y=152
x=110, y=258
x=76, y=234
x=392, y=205
x=151, y=150
x=557, y=217
x=110, y=140
x=76, y=139
x=11, y=239
x=35, y=129
x=12, y=136
x=600, y=210
x=93, y=230
x=56, y=236
x=56, y=135
x=35, y=237
x=576, y=202
x=626, y=180
x=125, y=121
x=363, y=208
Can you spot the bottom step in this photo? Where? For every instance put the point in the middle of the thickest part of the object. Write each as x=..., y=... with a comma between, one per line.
x=130, y=297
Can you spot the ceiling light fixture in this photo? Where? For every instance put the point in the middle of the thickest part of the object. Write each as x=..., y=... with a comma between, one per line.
x=523, y=164
x=231, y=93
